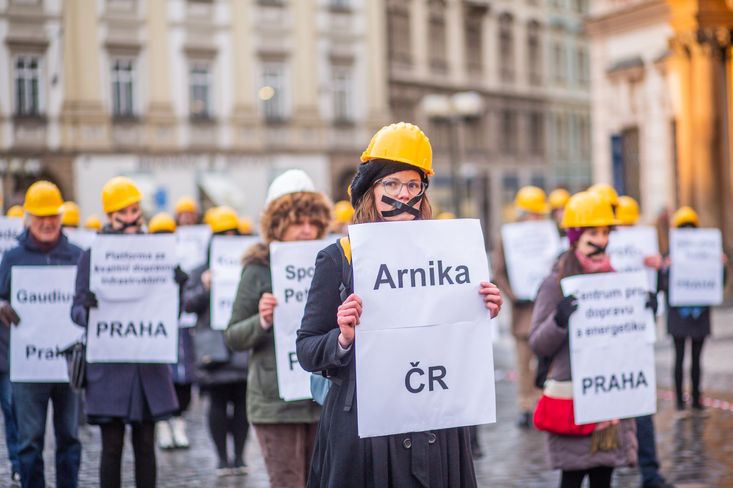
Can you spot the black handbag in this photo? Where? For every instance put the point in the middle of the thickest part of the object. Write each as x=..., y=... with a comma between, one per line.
x=76, y=362
x=210, y=348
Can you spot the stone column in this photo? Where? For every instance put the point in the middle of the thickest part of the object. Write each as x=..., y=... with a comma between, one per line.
x=419, y=38
x=680, y=62
x=304, y=79
x=377, y=91
x=160, y=118
x=244, y=117
x=84, y=123
x=455, y=41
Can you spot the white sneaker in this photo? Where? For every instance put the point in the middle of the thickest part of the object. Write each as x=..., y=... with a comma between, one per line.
x=164, y=435
x=178, y=427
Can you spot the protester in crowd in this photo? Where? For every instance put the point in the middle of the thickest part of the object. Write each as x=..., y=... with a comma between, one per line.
x=93, y=223
x=389, y=185
x=246, y=228
x=120, y=394
x=558, y=199
x=172, y=433
x=220, y=373
x=41, y=244
x=16, y=211
x=588, y=220
x=531, y=205
x=187, y=211
x=683, y=323
x=627, y=214
x=342, y=214
x=286, y=430
x=70, y=215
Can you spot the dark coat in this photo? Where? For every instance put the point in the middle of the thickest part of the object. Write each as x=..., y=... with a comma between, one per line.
x=441, y=458
x=549, y=340
x=197, y=299
x=132, y=392
x=27, y=253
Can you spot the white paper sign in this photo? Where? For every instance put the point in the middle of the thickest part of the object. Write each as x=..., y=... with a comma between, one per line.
x=696, y=274
x=530, y=250
x=137, y=316
x=292, y=267
x=42, y=297
x=10, y=229
x=130, y=267
x=423, y=348
x=192, y=244
x=82, y=238
x=140, y=331
x=611, y=346
x=628, y=246
x=226, y=271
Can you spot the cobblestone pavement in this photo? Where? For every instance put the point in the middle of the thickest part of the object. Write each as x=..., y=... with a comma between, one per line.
x=695, y=450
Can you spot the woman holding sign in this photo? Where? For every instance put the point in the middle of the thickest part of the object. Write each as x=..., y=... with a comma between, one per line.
x=587, y=450
x=286, y=430
x=389, y=185
x=120, y=394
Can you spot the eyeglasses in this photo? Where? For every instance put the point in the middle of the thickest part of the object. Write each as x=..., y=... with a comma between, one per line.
x=393, y=187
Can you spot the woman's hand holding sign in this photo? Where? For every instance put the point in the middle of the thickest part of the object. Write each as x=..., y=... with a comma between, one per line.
x=267, y=308
x=347, y=317
x=492, y=297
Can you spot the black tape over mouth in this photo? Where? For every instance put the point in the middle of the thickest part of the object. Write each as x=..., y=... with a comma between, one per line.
x=598, y=249
x=400, y=207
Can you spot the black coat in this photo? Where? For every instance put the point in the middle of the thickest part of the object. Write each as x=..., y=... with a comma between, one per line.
x=441, y=458
x=132, y=392
x=693, y=322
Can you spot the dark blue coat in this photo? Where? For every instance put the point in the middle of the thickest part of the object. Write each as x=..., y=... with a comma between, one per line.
x=27, y=253
x=132, y=392
x=437, y=459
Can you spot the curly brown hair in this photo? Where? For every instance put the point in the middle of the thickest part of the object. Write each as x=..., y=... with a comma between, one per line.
x=292, y=208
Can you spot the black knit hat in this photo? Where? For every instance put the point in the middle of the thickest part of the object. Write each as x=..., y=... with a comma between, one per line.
x=374, y=170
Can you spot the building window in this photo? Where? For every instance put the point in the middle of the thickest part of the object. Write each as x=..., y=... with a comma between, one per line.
x=436, y=37
x=583, y=67
x=561, y=136
x=27, y=85
x=343, y=94
x=200, y=86
x=475, y=135
x=506, y=48
x=398, y=34
x=536, y=134
x=474, y=44
x=272, y=92
x=558, y=62
x=584, y=136
x=534, y=54
x=508, y=144
x=340, y=4
x=581, y=6
x=123, y=88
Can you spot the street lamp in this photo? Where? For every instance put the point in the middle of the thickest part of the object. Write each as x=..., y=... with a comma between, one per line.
x=454, y=109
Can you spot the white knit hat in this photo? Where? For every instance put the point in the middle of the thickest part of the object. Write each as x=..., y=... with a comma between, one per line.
x=291, y=181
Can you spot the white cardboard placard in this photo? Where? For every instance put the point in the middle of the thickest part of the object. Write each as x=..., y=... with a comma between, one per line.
x=530, y=250
x=696, y=273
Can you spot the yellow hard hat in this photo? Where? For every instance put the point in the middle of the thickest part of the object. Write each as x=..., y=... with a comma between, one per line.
x=70, y=214
x=606, y=191
x=402, y=142
x=43, y=199
x=245, y=226
x=446, y=216
x=685, y=215
x=559, y=198
x=93, y=223
x=118, y=193
x=223, y=219
x=162, y=222
x=532, y=199
x=15, y=211
x=208, y=215
x=186, y=204
x=588, y=209
x=343, y=211
x=627, y=211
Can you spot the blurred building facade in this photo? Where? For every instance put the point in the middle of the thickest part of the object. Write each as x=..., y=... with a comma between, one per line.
x=211, y=98
x=663, y=104
x=528, y=61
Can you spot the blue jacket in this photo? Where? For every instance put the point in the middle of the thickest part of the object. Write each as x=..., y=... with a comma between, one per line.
x=132, y=392
x=27, y=253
